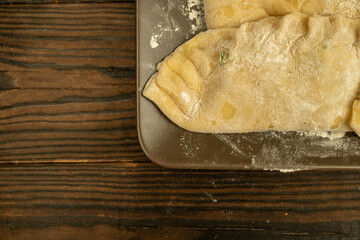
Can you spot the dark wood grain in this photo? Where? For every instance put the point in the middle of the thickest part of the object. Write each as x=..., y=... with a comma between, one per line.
x=147, y=233
x=138, y=195
x=63, y=1
x=67, y=83
x=71, y=166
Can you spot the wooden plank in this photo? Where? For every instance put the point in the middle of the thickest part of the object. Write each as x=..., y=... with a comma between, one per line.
x=168, y=233
x=67, y=83
x=62, y=1
x=139, y=194
x=67, y=94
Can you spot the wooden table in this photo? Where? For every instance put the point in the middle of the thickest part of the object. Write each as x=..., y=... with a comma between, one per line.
x=71, y=164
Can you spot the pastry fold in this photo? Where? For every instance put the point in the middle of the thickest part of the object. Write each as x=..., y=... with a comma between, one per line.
x=232, y=13
x=291, y=73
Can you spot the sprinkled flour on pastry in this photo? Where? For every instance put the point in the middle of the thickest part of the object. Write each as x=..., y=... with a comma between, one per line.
x=283, y=151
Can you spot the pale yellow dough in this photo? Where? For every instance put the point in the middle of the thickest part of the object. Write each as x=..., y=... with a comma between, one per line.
x=295, y=73
x=355, y=117
x=232, y=13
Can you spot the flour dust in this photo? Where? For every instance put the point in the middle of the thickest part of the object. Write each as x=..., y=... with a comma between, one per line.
x=177, y=19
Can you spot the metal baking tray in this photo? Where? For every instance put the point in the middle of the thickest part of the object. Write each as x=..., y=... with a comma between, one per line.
x=162, y=25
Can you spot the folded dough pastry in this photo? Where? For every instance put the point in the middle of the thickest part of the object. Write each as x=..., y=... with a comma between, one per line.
x=295, y=73
x=231, y=13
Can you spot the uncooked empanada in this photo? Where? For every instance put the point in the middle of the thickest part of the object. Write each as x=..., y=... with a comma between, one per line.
x=295, y=73
x=232, y=13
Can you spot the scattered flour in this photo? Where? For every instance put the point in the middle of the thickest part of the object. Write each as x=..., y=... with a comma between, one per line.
x=280, y=151
x=229, y=141
x=195, y=13
x=189, y=145
x=286, y=152
x=167, y=26
x=289, y=170
x=163, y=30
x=211, y=197
x=148, y=66
x=171, y=26
x=185, y=96
x=330, y=135
x=154, y=41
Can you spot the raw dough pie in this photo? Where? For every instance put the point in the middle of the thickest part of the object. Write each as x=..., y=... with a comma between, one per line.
x=232, y=13
x=295, y=73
